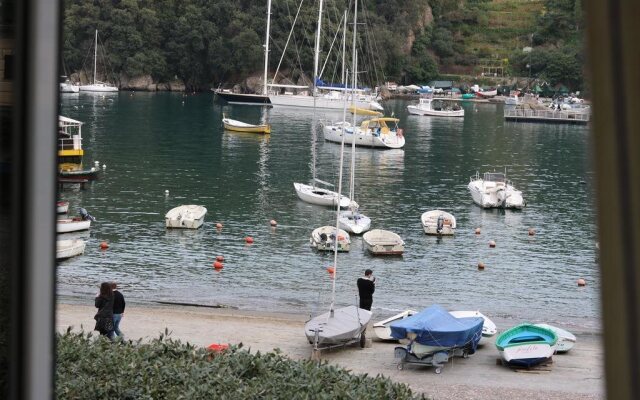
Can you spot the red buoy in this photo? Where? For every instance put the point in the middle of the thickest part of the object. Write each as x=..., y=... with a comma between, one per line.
x=273, y=222
x=477, y=231
x=582, y=282
x=481, y=266
x=217, y=347
x=248, y=239
x=492, y=243
x=104, y=245
x=532, y=231
x=330, y=269
x=218, y=265
x=220, y=258
x=219, y=225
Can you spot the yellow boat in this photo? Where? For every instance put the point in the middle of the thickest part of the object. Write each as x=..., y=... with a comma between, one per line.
x=239, y=126
x=364, y=111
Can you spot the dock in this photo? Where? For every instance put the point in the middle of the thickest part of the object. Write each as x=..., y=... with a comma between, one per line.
x=72, y=181
x=532, y=115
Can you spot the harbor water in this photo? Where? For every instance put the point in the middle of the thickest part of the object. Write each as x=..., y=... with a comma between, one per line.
x=151, y=143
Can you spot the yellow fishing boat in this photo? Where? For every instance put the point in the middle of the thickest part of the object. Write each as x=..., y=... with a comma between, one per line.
x=364, y=111
x=239, y=126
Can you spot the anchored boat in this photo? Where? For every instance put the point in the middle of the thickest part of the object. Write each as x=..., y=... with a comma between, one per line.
x=494, y=190
x=373, y=132
x=185, y=217
x=325, y=239
x=69, y=248
x=438, y=222
x=239, y=126
x=380, y=242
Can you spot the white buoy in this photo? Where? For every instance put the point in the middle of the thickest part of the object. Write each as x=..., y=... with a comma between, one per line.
x=96, y=163
x=166, y=192
x=104, y=166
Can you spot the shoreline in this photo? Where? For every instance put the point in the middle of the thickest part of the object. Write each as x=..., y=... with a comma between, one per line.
x=578, y=374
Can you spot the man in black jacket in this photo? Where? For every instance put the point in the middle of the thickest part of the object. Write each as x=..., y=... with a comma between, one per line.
x=366, y=287
x=118, y=309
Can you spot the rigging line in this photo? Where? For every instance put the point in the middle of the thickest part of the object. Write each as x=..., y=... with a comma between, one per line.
x=288, y=38
x=330, y=49
x=375, y=45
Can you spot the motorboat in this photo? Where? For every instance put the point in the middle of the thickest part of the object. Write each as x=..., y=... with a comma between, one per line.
x=438, y=222
x=353, y=221
x=435, y=108
x=239, y=126
x=62, y=207
x=338, y=327
x=513, y=100
x=185, y=217
x=97, y=86
x=494, y=190
x=566, y=339
x=526, y=345
x=325, y=238
x=67, y=225
x=434, y=336
x=382, y=242
x=382, y=328
x=71, y=153
x=488, y=327
x=69, y=248
x=320, y=196
x=373, y=132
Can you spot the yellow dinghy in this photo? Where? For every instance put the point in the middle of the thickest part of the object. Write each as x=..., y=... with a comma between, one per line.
x=364, y=111
x=239, y=126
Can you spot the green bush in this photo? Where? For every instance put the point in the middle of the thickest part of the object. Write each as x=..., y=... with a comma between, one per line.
x=95, y=368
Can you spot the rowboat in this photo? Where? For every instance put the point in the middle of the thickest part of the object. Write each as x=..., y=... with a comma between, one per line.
x=239, y=126
x=324, y=239
x=186, y=217
x=69, y=248
x=526, y=345
x=382, y=328
x=566, y=339
x=66, y=225
x=488, y=327
x=381, y=242
x=437, y=222
x=62, y=207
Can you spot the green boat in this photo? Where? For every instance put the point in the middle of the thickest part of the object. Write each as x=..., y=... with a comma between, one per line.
x=526, y=345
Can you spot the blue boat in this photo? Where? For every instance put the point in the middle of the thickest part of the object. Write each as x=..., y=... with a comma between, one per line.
x=435, y=335
x=526, y=345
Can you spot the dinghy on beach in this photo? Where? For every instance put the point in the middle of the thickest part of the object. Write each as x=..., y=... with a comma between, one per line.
x=566, y=339
x=526, y=345
x=382, y=329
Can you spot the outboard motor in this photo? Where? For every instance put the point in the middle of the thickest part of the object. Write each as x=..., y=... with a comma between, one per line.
x=440, y=224
x=84, y=214
x=323, y=237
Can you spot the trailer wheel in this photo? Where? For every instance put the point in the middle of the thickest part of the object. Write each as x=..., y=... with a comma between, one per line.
x=400, y=366
x=363, y=340
x=438, y=370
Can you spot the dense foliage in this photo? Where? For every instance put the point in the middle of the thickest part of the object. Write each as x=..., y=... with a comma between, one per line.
x=209, y=43
x=95, y=368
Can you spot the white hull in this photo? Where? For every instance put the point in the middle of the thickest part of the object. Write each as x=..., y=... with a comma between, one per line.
x=431, y=223
x=354, y=222
x=381, y=242
x=527, y=351
x=489, y=194
x=382, y=328
x=69, y=88
x=98, y=87
x=321, y=102
x=488, y=327
x=323, y=239
x=62, y=207
x=346, y=325
x=334, y=133
x=72, y=225
x=433, y=113
x=426, y=107
x=566, y=339
x=320, y=196
x=69, y=248
x=185, y=217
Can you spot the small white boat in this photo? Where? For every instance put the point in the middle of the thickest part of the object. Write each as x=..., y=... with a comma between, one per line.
x=353, y=221
x=427, y=106
x=494, y=190
x=69, y=248
x=526, y=345
x=566, y=339
x=66, y=225
x=62, y=207
x=382, y=329
x=438, y=222
x=324, y=239
x=512, y=100
x=239, y=126
x=68, y=87
x=186, y=217
x=337, y=327
x=381, y=242
x=320, y=196
x=488, y=327
x=371, y=133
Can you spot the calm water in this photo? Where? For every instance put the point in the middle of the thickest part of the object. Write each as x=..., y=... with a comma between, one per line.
x=156, y=142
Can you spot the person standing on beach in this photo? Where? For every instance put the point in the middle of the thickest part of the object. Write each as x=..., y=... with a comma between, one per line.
x=366, y=287
x=104, y=316
x=118, y=309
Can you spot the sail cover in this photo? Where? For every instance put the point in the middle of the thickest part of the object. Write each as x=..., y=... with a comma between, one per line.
x=434, y=326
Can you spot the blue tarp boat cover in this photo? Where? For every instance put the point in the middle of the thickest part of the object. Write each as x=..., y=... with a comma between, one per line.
x=434, y=326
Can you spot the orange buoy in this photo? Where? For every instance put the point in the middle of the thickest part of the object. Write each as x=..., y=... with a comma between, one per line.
x=104, y=245
x=220, y=258
x=248, y=239
x=481, y=266
x=219, y=225
x=217, y=347
x=218, y=265
x=532, y=231
x=477, y=231
x=492, y=243
x=273, y=222
x=331, y=270
x=581, y=282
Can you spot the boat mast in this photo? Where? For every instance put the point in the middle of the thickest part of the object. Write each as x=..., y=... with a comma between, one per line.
x=95, y=58
x=352, y=181
x=266, y=49
x=316, y=56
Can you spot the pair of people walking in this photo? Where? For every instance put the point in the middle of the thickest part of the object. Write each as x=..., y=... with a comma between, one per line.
x=110, y=304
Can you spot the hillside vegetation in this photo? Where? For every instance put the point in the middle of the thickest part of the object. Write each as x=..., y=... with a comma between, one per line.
x=210, y=43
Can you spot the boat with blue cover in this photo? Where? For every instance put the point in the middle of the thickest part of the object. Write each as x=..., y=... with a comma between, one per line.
x=434, y=336
x=526, y=345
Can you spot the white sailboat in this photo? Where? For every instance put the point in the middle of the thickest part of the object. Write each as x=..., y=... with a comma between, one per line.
x=341, y=326
x=97, y=86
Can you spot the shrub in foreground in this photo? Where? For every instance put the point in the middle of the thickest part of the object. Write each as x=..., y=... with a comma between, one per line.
x=95, y=368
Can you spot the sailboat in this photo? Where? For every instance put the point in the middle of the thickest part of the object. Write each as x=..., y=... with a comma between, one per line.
x=97, y=86
x=250, y=98
x=345, y=325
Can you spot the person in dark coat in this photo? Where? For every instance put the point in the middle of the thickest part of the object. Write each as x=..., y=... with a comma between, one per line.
x=366, y=287
x=104, y=316
x=118, y=310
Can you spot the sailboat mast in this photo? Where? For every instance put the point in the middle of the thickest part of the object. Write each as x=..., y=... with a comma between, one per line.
x=344, y=48
x=316, y=56
x=352, y=181
x=266, y=48
x=95, y=58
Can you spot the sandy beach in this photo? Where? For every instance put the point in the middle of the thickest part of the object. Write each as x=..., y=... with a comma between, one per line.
x=579, y=374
